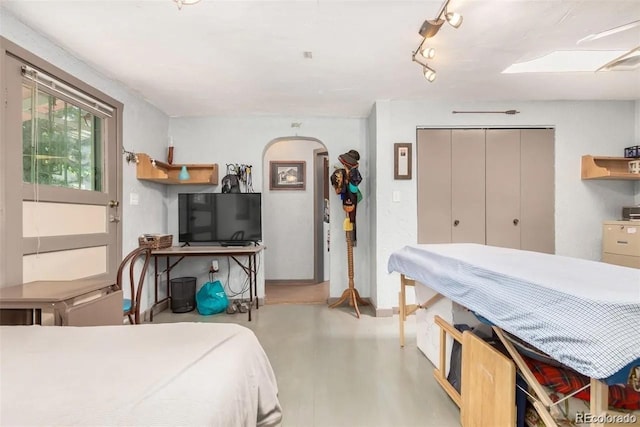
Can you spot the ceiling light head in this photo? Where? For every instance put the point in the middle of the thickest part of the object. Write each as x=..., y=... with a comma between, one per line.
x=428, y=52
x=181, y=3
x=430, y=28
x=454, y=19
x=429, y=73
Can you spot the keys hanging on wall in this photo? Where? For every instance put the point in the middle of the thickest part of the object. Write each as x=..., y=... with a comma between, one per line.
x=243, y=172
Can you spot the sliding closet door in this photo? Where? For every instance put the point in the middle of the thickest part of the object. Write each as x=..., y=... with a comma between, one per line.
x=492, y=187
x=433, y=156
x=503, y=188
x=537, y=190
x=468, y=186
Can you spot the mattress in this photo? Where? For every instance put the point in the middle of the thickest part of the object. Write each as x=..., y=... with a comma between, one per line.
x=585, y=314
x=152, y=374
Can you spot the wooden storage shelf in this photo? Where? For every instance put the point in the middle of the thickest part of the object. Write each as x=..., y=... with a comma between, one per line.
x=599, y=167
x=168, y=174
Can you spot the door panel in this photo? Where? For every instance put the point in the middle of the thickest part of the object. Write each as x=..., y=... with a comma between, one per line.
x=537, y=190
x=433, y=151
x=468, y=186
x=65, y=265
x=503, y=188
x=57, y=219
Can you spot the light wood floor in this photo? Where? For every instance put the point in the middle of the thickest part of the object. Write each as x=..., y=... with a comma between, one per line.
x=296, y=293
x=334, y=370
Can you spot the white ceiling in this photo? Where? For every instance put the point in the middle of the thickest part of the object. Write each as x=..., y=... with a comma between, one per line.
x=246, y=57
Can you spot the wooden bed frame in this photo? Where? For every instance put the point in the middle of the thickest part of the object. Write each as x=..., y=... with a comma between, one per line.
x=542, y=403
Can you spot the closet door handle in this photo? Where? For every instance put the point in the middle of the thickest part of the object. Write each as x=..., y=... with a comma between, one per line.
x=455, y=223
x=516, y=221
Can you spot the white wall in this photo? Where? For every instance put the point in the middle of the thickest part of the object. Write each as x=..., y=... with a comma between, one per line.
x=144, y=129
x=288, y=216
x=245, y=140
x=598, y=128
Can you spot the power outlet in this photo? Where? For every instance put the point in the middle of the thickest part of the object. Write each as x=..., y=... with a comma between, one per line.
x=214, y=266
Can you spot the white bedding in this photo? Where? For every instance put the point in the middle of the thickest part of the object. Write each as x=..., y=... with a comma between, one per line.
x=190, y=374
x=585, y=314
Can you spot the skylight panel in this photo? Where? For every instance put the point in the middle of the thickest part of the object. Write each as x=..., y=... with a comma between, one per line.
x=566, y=61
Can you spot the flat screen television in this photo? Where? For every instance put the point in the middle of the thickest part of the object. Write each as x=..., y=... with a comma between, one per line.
x=220, y=218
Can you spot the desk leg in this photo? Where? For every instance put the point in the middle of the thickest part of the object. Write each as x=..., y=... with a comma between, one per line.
x=254, y=271
x=169, y=280
x=155, y=286
x=251, y=286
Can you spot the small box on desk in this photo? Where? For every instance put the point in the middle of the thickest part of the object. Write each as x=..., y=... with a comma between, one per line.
x=155, y=241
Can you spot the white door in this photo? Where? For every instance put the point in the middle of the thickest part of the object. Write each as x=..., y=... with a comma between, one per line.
x=60, y=178
x=537, y=218
x=433, y=152
x=468, y=186
x=503, y=188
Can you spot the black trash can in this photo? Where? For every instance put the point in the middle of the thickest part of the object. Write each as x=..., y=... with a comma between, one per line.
x=183, y=294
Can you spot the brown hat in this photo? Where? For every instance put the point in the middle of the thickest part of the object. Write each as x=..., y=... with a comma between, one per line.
x=350, y=158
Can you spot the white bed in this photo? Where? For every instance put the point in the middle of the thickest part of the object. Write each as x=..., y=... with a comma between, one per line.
x=188, y=374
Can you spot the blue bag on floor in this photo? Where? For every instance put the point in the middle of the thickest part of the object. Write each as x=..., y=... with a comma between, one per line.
x=211, y=298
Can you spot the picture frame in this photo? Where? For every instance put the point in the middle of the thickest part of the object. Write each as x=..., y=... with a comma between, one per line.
x=402, y=160
x=287, y=175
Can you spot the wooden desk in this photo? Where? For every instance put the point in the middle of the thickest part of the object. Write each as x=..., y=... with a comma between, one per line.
x=103, y=305
x=232, y=252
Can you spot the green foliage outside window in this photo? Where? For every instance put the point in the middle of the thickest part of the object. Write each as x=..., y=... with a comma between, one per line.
x=61, y=143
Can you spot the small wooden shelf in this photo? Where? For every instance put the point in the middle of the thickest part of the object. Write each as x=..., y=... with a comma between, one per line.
x=599, y=167
x=168, y=174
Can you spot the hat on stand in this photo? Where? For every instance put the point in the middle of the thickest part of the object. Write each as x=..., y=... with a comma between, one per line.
x=350, y=158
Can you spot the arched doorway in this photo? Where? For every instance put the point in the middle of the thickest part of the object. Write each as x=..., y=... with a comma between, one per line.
x=295, y=224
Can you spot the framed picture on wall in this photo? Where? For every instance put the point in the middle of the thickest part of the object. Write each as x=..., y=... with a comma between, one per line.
x=287, y=175
x=402, y=161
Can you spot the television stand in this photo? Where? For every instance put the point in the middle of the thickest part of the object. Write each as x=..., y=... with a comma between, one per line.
x=174, y=254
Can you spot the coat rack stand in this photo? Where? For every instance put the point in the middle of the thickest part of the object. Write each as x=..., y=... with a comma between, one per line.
x=351, y=293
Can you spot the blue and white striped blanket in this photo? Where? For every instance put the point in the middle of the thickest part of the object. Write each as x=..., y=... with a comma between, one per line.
x=585, y=314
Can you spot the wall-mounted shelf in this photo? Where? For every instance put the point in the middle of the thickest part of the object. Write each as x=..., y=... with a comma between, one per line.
x=168, y=174
x=599, y=167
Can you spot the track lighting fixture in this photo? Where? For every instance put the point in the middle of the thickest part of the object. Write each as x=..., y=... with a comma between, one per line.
x=430, y=28
x=454, y=19
x=429, y=73
x=428, y=52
